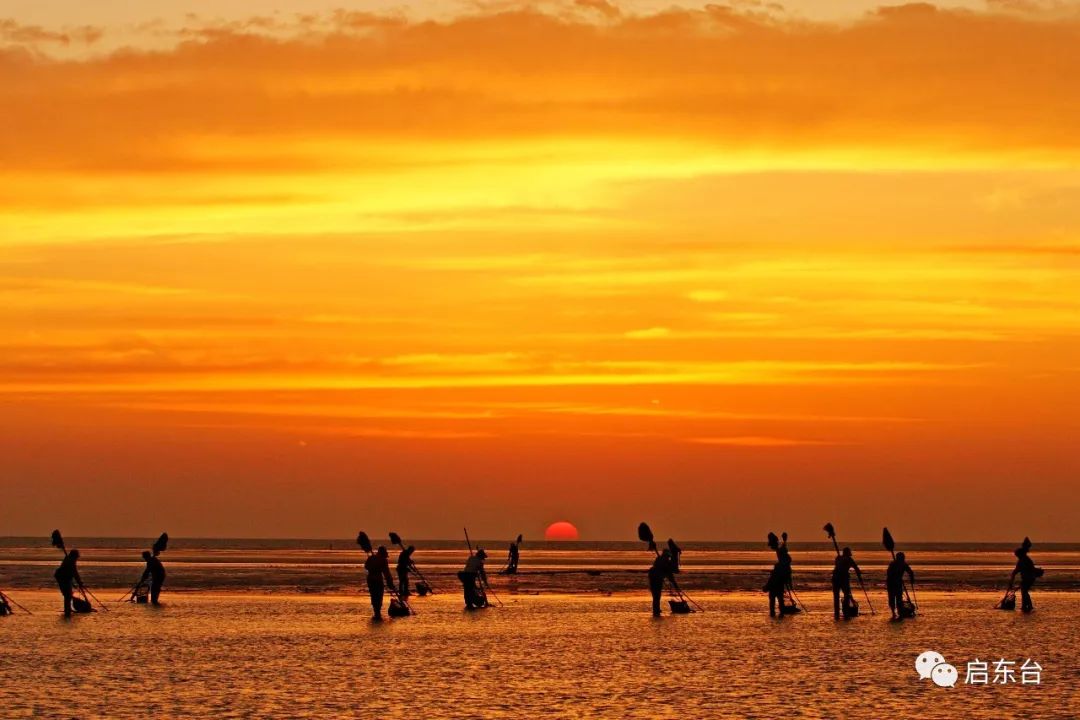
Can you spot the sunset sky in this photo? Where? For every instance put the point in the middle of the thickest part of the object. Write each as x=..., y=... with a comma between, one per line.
x=278, y=268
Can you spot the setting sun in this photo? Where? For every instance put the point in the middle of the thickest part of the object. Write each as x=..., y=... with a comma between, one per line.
x=561, y=530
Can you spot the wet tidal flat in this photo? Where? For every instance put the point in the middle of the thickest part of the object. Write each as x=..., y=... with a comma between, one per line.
x=205, y=655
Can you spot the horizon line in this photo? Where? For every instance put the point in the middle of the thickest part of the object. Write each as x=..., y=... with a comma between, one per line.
x=876, y=541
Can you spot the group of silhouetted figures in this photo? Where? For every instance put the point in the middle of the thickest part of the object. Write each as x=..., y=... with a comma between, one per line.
x=899, y=579
x=474, y=580
x=77, y=598
x=473, y=577
x=902, y=603
x=781, y=589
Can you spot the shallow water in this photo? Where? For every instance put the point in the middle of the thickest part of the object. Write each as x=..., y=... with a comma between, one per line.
x=321, y=566
x=208, y=655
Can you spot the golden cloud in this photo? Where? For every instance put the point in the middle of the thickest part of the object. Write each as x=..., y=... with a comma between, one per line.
x=910, y=76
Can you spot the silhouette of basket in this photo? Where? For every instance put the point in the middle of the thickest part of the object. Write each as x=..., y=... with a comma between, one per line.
x=851, y=609
x=680, y=607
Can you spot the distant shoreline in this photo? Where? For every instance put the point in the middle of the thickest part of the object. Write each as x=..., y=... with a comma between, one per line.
x=553, y=567
x=94, y=541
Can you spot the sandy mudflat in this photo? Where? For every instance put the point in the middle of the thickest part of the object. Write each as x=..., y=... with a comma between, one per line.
x=207, y=655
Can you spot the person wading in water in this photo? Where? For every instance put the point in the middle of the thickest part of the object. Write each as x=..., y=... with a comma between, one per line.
x=67, y=577
x=780, y=579
x=894, y=584
x=663, y=568
x=404, y=566
x=841, y=581
x=1025, y=568
x=513, y=555
x=378, y=578
x=473, y=578
x=155, y=572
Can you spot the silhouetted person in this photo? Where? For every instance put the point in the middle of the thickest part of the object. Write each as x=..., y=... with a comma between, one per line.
x=1025, y=567
x=894, y=584
x=378, y=578
x=662, y=569
x=5, y=607
x=67, y=577
x=841, y=580
x=779, y=581
x=404, y=566
x=474, y=573
x=512, y=559
x=155, y=572
x=676, y=555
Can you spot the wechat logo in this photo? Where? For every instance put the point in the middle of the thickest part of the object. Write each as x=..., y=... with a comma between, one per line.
x=931, y=665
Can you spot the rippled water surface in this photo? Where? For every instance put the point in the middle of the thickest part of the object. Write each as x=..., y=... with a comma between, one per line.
x=206, y=655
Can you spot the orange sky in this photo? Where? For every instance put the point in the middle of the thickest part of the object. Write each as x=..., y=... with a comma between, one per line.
x=726, y=270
